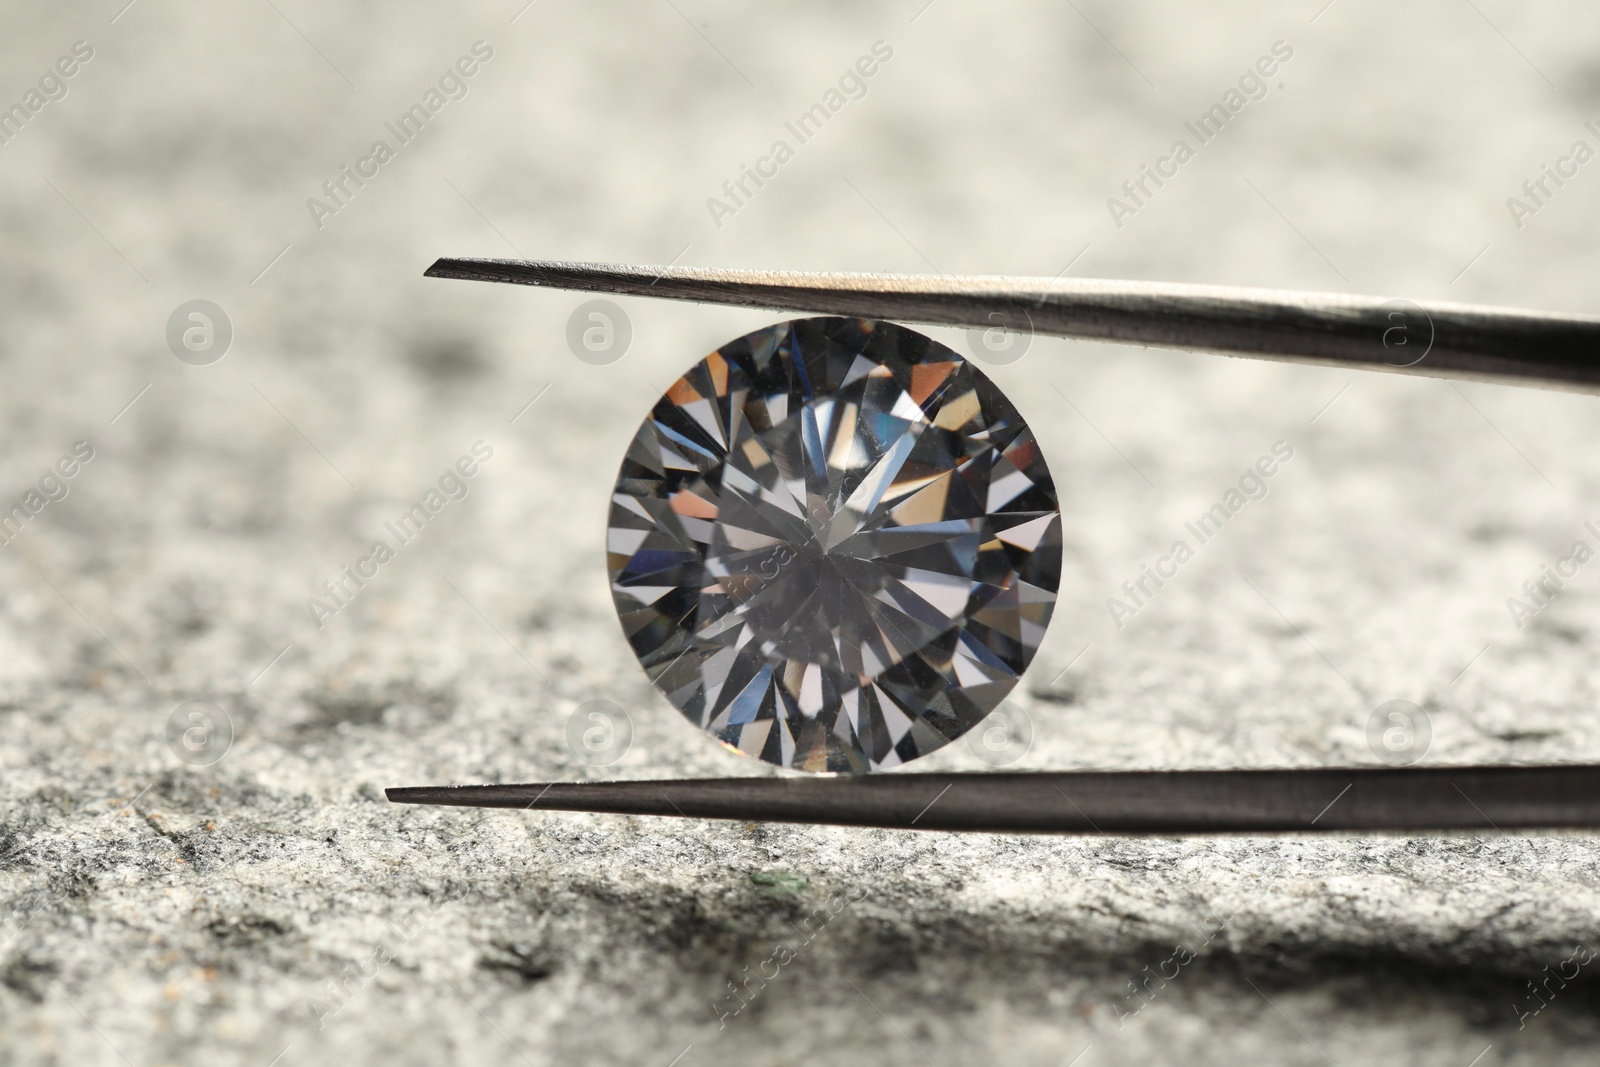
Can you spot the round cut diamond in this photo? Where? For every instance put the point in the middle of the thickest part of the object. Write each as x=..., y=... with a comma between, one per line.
x=834, y=545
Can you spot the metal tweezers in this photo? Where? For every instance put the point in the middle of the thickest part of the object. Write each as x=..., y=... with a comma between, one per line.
x=1506, y=345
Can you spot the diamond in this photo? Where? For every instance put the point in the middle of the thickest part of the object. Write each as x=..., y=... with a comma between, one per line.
x=834, y=545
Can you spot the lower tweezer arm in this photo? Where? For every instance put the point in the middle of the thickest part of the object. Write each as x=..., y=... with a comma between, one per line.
x=1115, y=802
x=1440, y=339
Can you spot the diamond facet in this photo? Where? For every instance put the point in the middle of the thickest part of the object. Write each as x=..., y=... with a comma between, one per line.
x=834, y=545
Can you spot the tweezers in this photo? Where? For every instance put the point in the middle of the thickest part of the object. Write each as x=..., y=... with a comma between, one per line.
x=1371, y=333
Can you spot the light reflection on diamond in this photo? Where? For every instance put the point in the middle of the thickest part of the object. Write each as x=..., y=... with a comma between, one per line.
x=834, y=545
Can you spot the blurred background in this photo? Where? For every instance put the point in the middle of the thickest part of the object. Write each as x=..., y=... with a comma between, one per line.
x=196, y=861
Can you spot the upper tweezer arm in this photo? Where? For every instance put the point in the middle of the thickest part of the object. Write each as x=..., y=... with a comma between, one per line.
x=1440, y=339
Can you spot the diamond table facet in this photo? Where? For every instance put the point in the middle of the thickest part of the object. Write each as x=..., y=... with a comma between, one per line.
x=834, y=545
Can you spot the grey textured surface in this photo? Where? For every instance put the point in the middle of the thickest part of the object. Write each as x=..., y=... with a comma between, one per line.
x=165, y=913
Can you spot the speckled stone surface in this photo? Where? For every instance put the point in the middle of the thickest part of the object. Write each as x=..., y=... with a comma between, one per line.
x=271, y=904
